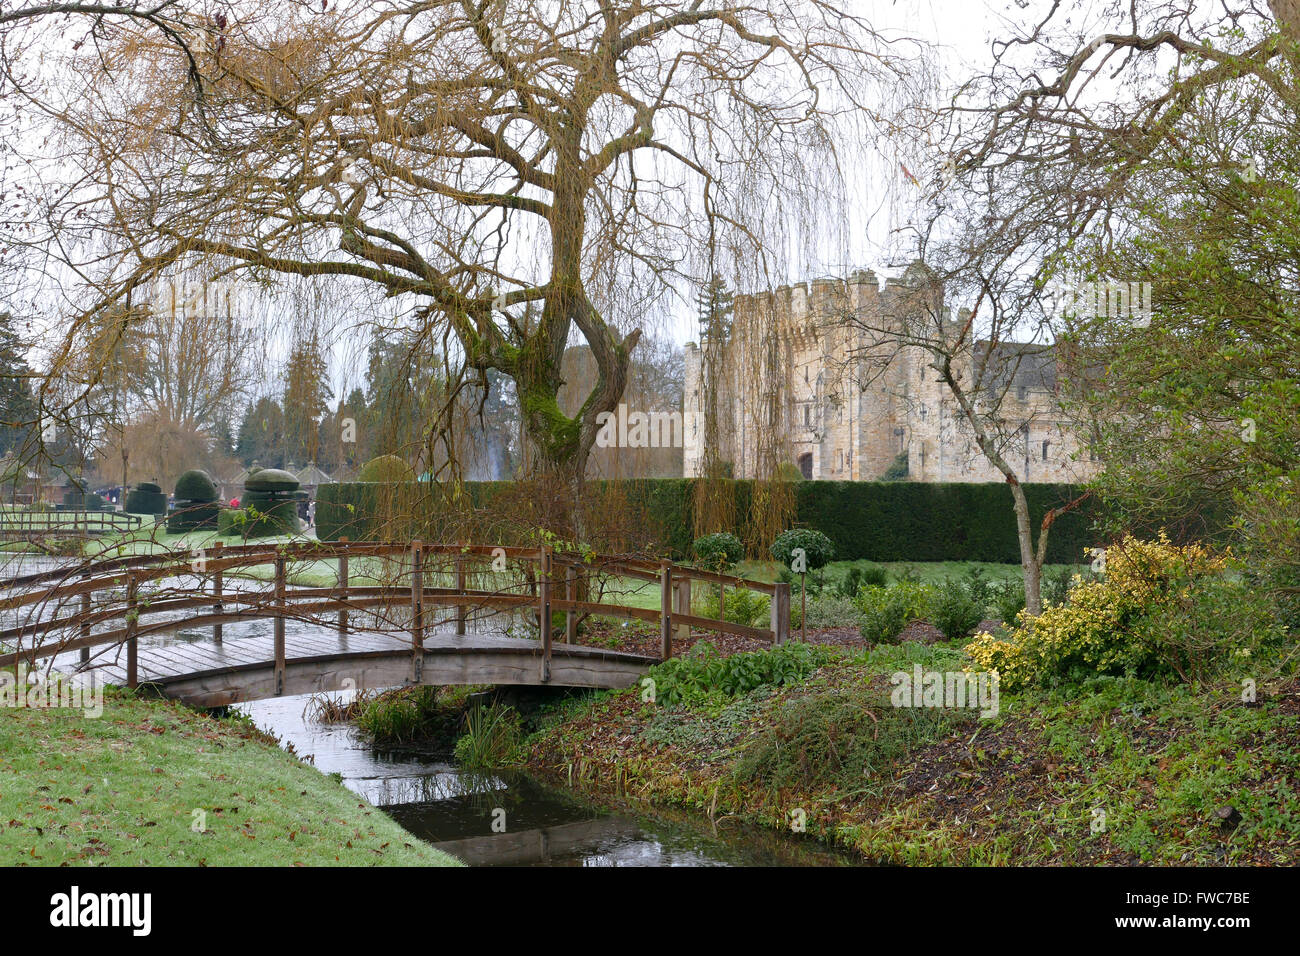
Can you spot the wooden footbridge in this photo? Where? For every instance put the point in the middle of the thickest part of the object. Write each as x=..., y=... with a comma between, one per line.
x=108, y=620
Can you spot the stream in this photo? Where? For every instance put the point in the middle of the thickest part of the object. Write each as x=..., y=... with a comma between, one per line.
x=536, y=824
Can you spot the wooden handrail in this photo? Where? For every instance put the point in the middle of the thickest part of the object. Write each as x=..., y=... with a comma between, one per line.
x=281, y=602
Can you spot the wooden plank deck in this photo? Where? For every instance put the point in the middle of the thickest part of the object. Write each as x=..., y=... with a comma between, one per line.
x=208, y=674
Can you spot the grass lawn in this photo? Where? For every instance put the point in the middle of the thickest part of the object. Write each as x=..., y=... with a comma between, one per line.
x=123, y=789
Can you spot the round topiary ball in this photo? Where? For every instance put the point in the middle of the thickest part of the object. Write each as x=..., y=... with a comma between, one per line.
x=389, y=468
x=270, y=479
x=818, y=549
x=195, y=485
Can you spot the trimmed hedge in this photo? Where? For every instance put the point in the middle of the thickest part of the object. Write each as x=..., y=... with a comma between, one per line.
x=146, y=498
x=875, y=521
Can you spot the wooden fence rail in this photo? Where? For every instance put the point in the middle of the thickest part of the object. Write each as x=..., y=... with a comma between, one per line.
x=219, y=604
x=78, y=524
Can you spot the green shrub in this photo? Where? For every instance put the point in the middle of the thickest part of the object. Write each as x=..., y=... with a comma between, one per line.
x=1008, y=599
x=1056, y=584
x=818, y=549
x=859, y=575
x=703, y=675
x=887, y=610
x=1159, y=611
x=146, y=499
x=827, y=610
x=979, y=587
x=718, y=551
x=195, y=485
x=190, y=515
x=745, y=607
x=386, y=468
x=898, y=469
x=955, y=610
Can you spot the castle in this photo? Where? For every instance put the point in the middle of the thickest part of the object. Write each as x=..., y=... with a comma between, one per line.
x=797, y=380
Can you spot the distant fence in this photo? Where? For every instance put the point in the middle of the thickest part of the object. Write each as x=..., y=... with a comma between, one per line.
x=23, y=524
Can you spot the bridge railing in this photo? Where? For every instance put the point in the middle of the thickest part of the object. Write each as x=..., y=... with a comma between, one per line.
x=22, y=523
x=552, y=582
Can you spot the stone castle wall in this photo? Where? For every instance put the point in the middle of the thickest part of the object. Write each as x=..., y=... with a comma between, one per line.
x=848, y=403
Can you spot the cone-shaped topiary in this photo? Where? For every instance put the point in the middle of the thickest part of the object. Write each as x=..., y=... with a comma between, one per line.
x=387, y=468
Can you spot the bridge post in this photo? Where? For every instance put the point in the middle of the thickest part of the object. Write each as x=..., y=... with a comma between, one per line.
x=132, y=622
x=570, y=594
x=460, y=591
x=417, y=610
x=666, y=608
x=544, y=610
x=85, y=623
x=781, y=613
x=279, y=624
x=343, y=586
x=682, y=588
x=217, y=585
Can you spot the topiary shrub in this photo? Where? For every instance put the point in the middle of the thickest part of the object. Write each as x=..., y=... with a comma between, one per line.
x=386, y=468
x=146, y=498
x=818, y=549
x=271, y=503
x=196, y=503
x=718, y=551
x=195, y=485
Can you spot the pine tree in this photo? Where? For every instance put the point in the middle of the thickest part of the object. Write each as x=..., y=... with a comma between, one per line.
x=17, y=404
x=307, y=395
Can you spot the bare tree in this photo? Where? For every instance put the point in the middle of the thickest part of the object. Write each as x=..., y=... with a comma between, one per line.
x=996, y=372
x=477, y=158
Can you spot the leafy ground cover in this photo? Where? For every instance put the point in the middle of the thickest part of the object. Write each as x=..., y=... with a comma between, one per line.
x=1112, y=771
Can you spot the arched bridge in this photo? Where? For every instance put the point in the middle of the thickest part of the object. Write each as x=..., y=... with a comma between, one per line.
x=394, y=614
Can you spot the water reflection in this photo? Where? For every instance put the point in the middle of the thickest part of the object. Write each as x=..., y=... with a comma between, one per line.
x=505, y=820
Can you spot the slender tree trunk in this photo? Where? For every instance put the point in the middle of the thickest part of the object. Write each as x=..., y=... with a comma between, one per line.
x=1030, y=558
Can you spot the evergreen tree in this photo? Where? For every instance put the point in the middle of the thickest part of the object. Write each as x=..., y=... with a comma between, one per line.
x=307, y=395
x=17, y=404
x=261, y=434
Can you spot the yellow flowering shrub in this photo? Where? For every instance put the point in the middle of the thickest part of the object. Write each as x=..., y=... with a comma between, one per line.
x=1107, y=625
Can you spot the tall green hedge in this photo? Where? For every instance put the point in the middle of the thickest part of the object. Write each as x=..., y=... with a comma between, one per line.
x=877, y=521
